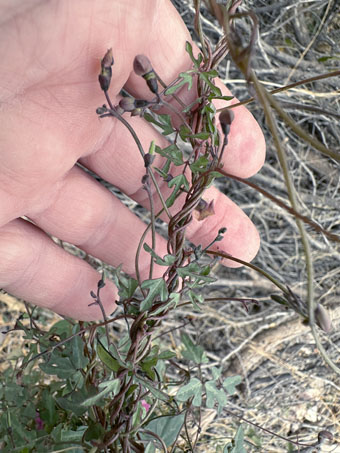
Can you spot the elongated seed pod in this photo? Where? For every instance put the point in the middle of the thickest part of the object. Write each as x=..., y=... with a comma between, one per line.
x=106, y=71
x=226, y=118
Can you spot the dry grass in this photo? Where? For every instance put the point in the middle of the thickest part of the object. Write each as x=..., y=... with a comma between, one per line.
x=288, y=389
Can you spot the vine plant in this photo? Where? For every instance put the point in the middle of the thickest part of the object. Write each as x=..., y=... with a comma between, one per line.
x=107, y=396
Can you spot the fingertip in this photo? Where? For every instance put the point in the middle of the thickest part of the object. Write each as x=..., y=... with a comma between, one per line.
x=78, y=302
x=246, y=249
x=246, y=149
x=91, y=310
x=241, y=239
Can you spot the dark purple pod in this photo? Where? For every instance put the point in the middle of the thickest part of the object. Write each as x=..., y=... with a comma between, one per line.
x=105, y=79
x=226, y=118
x=151, y=82
x=106, y=71
x=127, y=104
x=141, y=65
x=148, y=159
x=107, y=61
x=140, y=103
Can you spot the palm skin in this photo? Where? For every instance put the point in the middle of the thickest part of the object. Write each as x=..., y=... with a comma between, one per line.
x=50, y=55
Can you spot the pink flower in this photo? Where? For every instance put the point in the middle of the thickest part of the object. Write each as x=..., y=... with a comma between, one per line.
x=38, y=422
x=145, y=405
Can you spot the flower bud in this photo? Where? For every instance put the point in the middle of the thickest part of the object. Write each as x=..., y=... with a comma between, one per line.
x=148, y=159
x=322, y=318
x=106, y=71
x=105, y=79
x=204, y=209
x=101, y=284
x=107, y=61
x=141, y=65
x=168, y=178
x=226, y=118
x=127, y=104
x=151, y=82
x=324, y=436
x=145, y=180
x=101, y=110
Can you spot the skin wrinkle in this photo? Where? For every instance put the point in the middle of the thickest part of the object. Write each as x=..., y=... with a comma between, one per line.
x=22, y=58
x=91, y=220
x=16, y=8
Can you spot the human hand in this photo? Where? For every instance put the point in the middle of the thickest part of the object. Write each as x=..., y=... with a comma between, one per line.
x=50, y=58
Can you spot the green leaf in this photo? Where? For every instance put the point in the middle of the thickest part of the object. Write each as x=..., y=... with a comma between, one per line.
x=211, y=74
x=62, y=328
x=209, y=111
x=178, y=181
x=107, y=358
x=150, y=448
x=215, y=90
x=167, y=427
x=126, y=285
x=200, y=135
x=197, y=400
x=197, y=61
x=108, y=387
x=173, y=153
x=184, y=132
x=192, y=388
x=231, y=382
x=216, y=372
x=174, y=298
x=213, y=393
x=73, y=402
x=47, y=408
x=166, y=355
x=69, y=436
x=185, y=78
x=156, y=392
x=76, y=348
x=194, y=271
x=167, y=260
x=157, y=290
x=238, y=441
x=59, y=366
x=196, y=297
x=147, y=366
x=200, y=165
x=163, y=121
x=192, y=351
x=94, y=431
x=223, y=98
